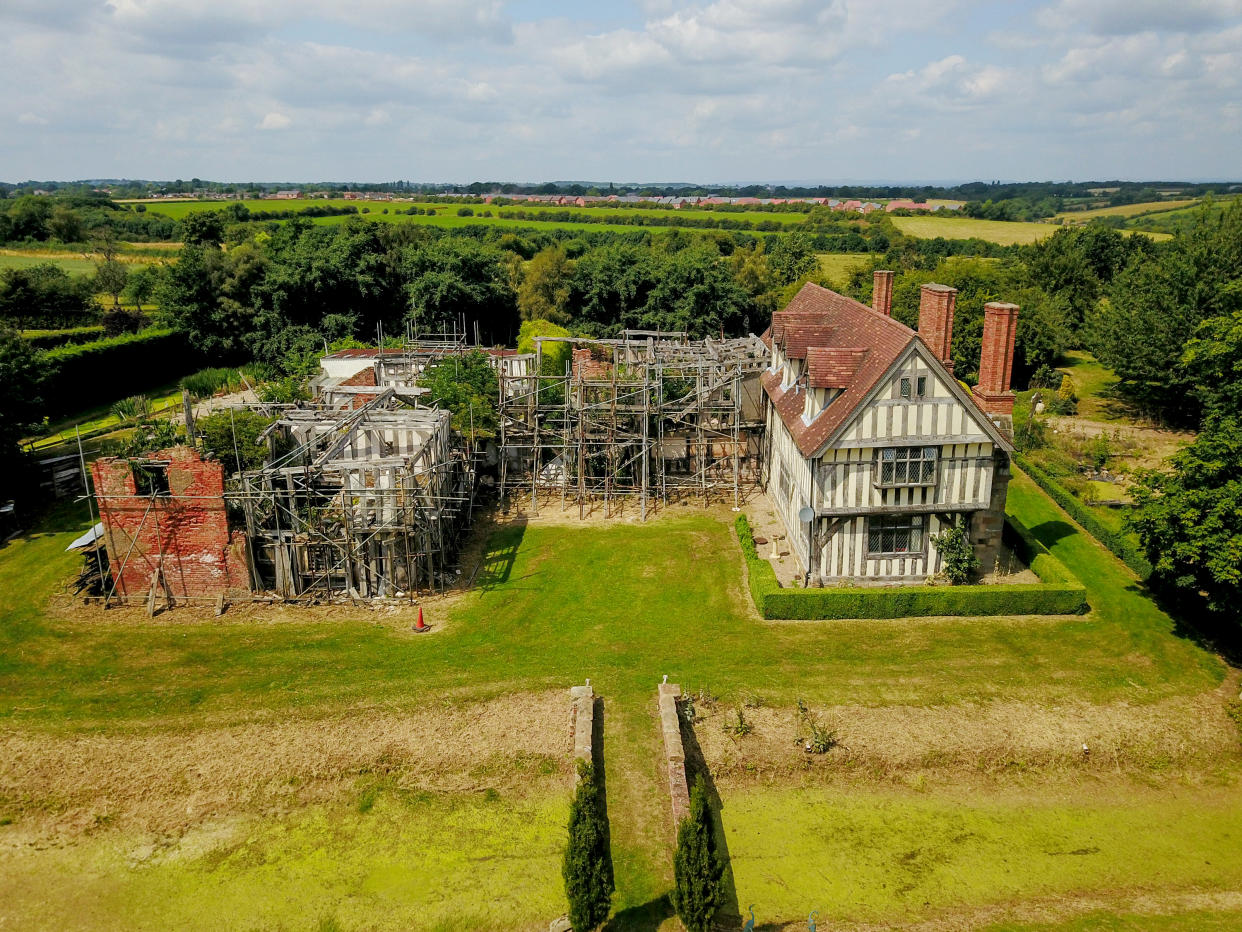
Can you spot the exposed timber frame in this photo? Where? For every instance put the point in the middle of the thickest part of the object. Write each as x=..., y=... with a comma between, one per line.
x=645, y=419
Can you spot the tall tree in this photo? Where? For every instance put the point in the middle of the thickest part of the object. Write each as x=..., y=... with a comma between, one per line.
x=454, y=280
x=587, y=866
x=698, y=872
x=1154, y=308
x=544, y=291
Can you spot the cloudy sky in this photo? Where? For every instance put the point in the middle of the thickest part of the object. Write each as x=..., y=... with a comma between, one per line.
x=652, y=90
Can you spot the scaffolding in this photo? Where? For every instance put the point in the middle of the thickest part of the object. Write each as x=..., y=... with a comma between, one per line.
x=650, y=417
x=363, y=503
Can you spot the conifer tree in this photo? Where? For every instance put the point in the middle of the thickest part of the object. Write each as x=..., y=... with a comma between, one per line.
x=698, y=872
x=587, y=867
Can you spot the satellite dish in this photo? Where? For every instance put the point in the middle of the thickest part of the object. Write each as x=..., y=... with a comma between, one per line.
x=805, y=514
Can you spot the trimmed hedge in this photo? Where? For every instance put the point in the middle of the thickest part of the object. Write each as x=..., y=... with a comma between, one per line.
x=1059, y=592
x=47, y=339
x=91, y=374
x=1121, y=546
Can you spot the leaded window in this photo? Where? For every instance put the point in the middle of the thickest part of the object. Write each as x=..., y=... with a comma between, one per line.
x=889, y=534
x=907, y=466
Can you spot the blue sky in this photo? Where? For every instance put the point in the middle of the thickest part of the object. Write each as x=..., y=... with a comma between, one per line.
x=651, y=90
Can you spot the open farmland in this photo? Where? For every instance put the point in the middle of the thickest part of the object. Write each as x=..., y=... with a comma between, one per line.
x=181, y=770
x=838, y=266
x=72, y=262
x=1125, y=210
x=444, y=210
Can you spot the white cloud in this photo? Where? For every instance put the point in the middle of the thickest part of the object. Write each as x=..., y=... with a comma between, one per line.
x=714, y=89
x=274, y=120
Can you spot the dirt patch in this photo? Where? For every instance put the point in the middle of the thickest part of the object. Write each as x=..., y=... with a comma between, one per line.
x=978, y=738
x=64, y=786
x=624, y=510
x=1137, y=447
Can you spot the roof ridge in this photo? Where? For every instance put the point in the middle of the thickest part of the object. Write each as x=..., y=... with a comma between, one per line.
x=892, y=321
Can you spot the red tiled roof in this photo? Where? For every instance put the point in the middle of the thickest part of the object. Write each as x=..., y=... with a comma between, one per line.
x=867, y=344
x=799, y=337
x=833, y=366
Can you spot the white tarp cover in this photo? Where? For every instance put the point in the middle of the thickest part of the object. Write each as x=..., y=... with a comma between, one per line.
x=88, y=538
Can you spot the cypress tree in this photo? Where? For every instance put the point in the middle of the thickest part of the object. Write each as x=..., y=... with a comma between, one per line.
x=698, y=888
x=587, y=867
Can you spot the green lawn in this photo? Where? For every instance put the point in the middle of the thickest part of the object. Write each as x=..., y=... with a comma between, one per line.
x=898, y=856
x=553, y=604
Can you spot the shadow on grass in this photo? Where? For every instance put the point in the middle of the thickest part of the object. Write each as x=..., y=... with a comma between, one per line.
x=730, y=912
x=601, y=775
x=500, y=555
x=1216, y=632
x=644, y=918
x=1049, y=532
x=58, y=518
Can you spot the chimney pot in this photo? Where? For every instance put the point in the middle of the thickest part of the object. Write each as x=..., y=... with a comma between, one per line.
x=882, y=292
x=936, y=307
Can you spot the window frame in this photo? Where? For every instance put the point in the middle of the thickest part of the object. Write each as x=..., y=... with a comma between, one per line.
x=912, y=387
x=895, y=524
x=927, y=460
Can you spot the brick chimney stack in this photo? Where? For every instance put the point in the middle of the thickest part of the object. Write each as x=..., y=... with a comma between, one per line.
x=936, y=305
x=882, y=293
x=1000, y=328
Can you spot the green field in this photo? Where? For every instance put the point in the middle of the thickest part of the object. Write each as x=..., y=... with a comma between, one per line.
x=1125, y=210
x=446, y=211
x=242, y=777
x=837, y=266
x=996, y=231
x=73, y=263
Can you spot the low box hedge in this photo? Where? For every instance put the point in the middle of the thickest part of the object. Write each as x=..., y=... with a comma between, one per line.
x=1122, y=547
x=1058, y=593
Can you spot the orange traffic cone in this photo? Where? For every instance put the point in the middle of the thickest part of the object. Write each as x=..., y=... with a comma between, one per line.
x=420, y=627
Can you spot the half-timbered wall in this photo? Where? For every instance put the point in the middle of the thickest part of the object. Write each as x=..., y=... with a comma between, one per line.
x=848, y=479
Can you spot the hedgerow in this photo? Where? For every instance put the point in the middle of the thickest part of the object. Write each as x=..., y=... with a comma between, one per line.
x=1058, y=592
x=105, y=370
x=1122, y=547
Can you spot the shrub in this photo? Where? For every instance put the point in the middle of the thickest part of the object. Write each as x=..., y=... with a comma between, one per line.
x=698, y=872
x=957, y=554
x=1045, y=377
x=587, y=867
x=233, y=438
x=206, y=382
x=282, y=391
x=134, y=406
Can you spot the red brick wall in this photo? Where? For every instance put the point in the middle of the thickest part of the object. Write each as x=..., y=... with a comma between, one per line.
x=936, y=306
x=185, y=531
x=1000, y=329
